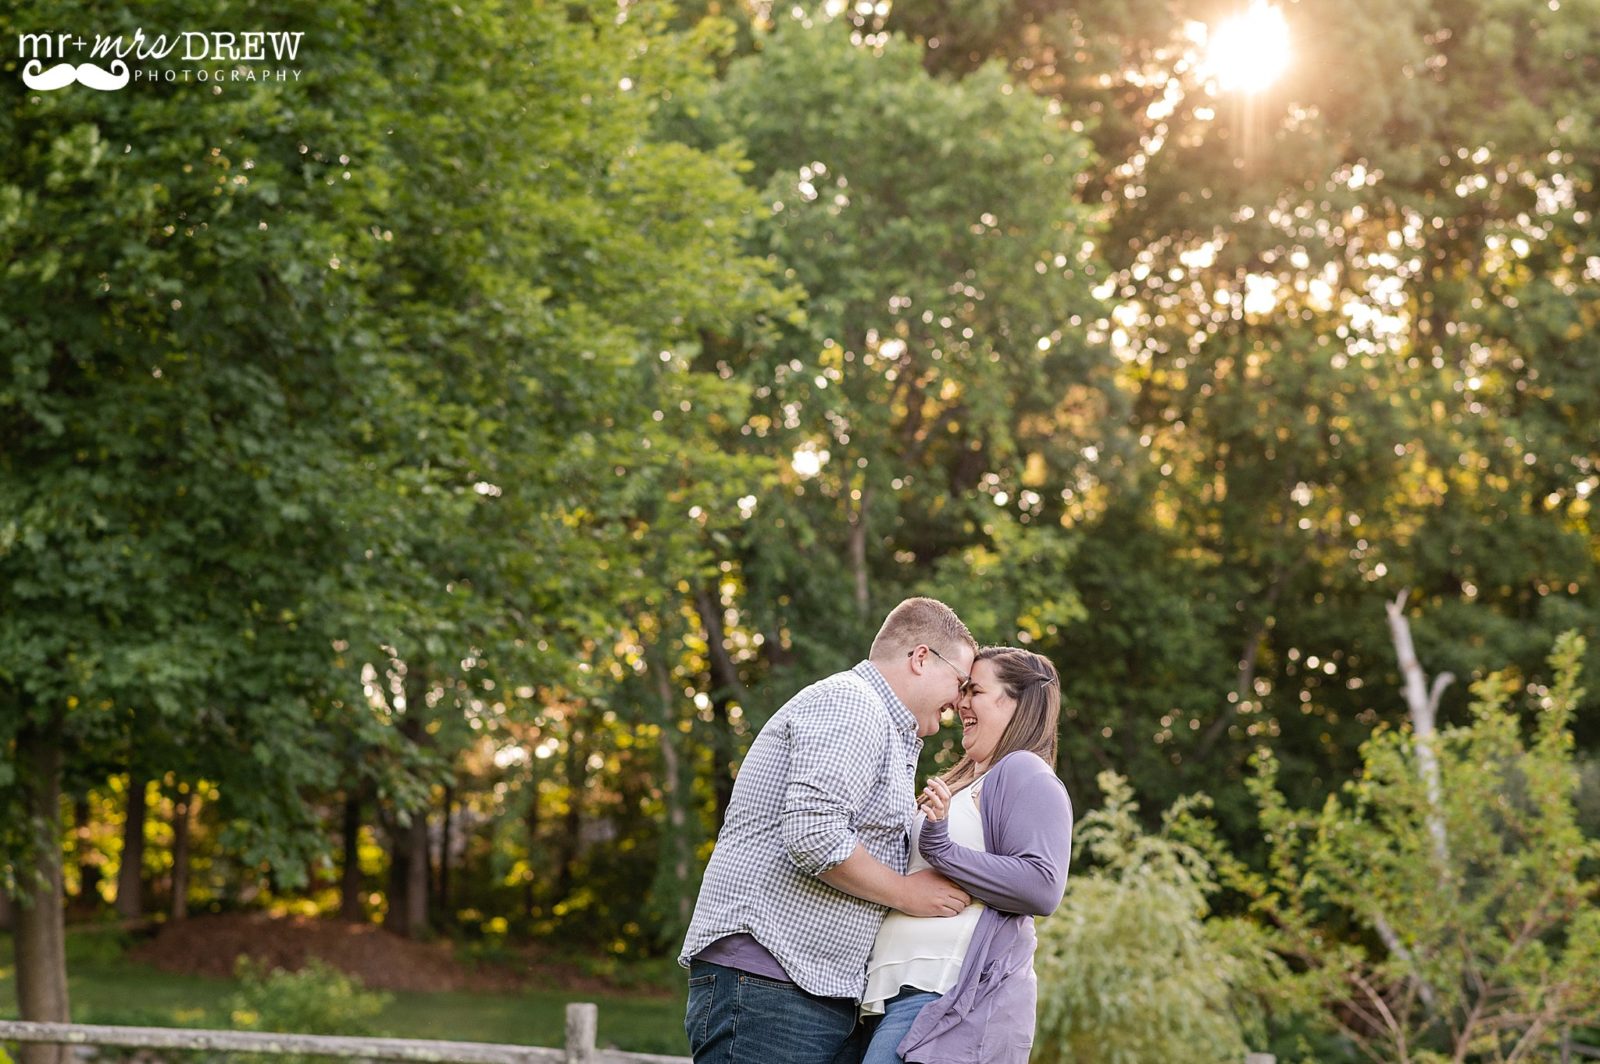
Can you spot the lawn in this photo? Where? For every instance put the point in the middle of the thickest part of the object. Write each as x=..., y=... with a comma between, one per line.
x=107, y=988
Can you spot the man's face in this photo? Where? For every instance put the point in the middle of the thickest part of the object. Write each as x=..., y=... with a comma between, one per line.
x=948, y=675
x=962, y=673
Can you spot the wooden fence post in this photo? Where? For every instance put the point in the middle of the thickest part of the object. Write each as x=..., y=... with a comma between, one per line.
x=583, y=1021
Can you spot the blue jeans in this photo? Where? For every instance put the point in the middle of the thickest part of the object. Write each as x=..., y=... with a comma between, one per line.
x=899, y=1013
x=734, y=1017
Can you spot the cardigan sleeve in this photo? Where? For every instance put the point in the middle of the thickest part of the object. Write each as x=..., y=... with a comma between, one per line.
x=1027, y=827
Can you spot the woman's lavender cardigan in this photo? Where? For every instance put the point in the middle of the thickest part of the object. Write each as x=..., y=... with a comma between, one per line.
x=988, y=1016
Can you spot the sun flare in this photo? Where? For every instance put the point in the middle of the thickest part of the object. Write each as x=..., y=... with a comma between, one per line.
x=1249, y=51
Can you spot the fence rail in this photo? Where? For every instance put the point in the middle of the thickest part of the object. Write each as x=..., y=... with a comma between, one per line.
x=582, y=1024
x=582, y=1021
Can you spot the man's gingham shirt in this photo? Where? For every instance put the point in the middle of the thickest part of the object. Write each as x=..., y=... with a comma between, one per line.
x=835, y=767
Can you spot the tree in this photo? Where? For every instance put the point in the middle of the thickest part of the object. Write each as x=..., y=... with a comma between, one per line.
x=178, y=466
x=1347, y=310
x=934, y=393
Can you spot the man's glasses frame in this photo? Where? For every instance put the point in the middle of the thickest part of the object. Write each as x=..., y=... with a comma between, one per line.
x=967, y=682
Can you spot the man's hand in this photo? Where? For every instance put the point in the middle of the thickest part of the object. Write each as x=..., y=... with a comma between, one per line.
x=924, y=893
x=927, y=893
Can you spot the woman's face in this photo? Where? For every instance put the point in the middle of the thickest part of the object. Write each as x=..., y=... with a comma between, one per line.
x=984, y=714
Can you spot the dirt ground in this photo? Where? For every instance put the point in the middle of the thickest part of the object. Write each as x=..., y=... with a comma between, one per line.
x=210, y=945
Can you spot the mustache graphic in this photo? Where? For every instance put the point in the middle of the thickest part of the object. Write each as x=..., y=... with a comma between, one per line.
x=63, y=74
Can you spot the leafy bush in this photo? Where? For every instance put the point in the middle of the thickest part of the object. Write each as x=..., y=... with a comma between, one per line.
x=1471, y=882
x=1130, y=969
x=318, y=999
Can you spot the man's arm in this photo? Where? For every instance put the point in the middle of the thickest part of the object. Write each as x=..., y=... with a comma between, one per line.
x=835, y=749
x=925, y=893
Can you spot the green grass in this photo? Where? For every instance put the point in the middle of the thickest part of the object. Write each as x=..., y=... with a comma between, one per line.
x=106, y=988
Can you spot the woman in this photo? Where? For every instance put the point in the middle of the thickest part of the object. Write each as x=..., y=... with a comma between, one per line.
x=961, y=989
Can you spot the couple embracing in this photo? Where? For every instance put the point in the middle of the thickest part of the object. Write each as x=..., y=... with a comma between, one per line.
x=845, y=919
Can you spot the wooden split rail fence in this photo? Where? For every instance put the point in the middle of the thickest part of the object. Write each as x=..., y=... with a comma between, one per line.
x=582, y=1025
x=582, y=1022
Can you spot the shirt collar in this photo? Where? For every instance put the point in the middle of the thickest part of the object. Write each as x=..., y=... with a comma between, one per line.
x=904, y=720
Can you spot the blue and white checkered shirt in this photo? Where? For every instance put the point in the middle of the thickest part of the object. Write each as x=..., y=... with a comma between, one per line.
x=836, y=766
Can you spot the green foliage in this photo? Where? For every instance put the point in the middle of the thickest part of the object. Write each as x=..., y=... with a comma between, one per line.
x=181, y=469
x=1130, y=967
x=1358, y=351
x=939, y=376
x=366, y=381
x=1477, y=896
x=317, y=999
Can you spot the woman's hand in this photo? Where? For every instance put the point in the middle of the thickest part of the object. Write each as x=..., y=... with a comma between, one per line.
x=935, y=799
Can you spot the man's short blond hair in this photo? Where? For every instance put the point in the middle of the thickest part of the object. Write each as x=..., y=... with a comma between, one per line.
x=921, y=621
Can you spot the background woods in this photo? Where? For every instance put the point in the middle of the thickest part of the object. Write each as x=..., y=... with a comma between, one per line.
x=420, y=478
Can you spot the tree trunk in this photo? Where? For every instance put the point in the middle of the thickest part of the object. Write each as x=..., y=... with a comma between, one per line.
x=394, y=915
x=1422, y=705
x=130, y=876
x=417, y=873
x=530, y=820
x=676, y=845
x=88, y=861
x=858, y=553
x=182, y=810
x=40, y=913
x=573, y=821
x=350, y=882
x=408, y=876
x=441, y=904
x=8, y=914
x=408, y=842
x=728, y=689
x=416, y=901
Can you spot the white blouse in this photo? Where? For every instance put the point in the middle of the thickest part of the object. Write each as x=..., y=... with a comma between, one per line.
x=926, y=951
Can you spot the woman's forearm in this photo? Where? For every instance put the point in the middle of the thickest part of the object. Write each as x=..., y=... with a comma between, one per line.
x=1029, y=883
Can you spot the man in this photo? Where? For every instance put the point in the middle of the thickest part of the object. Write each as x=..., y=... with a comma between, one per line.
x=814, y=848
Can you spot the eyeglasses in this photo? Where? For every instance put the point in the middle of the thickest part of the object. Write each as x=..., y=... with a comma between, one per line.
x=967, y=682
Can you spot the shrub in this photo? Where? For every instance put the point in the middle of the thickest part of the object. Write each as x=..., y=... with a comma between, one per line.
x=318, y=999
x=1130, y=969
x=1468, y=873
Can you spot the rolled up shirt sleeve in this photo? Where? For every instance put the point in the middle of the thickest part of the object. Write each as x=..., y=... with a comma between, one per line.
x=837, y=746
